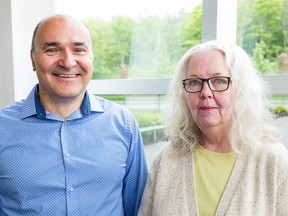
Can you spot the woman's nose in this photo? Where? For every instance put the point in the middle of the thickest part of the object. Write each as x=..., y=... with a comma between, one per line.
x=206, y=91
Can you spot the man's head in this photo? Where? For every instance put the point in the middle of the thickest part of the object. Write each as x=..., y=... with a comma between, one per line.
x=62, y=56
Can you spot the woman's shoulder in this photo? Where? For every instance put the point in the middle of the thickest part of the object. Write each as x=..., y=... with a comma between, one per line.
x=268, y=150
x=275, y=150
x=272, y=158
x=173, y=151
x=173, y=157
x=277, y=161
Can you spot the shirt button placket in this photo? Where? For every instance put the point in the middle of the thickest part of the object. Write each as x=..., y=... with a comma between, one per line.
x=67, y=159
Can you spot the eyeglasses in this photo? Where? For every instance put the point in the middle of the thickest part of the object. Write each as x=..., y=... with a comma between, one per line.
x=216, y=84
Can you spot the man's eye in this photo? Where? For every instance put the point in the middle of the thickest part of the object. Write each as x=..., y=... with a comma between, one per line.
x=80, y=50
x=52, y=51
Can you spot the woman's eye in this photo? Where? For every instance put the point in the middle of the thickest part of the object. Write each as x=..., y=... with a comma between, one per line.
x=220, y=81
x=194, y=82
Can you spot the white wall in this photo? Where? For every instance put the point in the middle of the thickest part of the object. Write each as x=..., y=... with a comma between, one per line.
x=18, y=19
x=219, y=20
x=6, y=55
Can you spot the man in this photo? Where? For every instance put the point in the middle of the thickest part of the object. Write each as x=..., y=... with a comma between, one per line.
x=64, y=151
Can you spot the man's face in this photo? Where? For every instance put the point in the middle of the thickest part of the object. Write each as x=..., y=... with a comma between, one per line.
x=63, y=59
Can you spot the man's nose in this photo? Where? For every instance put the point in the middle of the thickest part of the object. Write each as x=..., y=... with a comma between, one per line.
x=67, y=59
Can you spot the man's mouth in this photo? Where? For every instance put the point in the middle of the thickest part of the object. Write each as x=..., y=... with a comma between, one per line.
x=66, y=75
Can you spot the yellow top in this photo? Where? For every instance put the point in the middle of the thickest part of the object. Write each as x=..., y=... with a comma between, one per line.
x=212, y=172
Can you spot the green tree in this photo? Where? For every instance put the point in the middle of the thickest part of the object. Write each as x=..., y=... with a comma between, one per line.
x=100, y=36
x=145, y=47
x=284, y=24
x=111, y=44
x=246, y=33
x=121, y=29
x=156, y=54
x=262, y=28
x=192, y=28
x=264, y=65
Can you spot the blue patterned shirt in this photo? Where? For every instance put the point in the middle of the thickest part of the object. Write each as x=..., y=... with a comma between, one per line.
x=92, y=163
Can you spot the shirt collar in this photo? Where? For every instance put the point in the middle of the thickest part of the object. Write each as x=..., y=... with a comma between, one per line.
x=32, y=105
x=40, y=111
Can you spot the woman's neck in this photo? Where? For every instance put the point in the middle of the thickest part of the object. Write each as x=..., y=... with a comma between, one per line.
x=215, y=141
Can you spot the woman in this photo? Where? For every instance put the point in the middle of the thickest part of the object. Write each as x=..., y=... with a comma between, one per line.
x=222, y=158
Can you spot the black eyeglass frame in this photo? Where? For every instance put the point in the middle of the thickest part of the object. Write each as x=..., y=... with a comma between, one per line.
x=207, y=80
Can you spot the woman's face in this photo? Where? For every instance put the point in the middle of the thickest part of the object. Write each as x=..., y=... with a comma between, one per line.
x=209, y=109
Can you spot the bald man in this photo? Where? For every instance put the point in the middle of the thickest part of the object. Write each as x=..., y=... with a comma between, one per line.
x=64, y=151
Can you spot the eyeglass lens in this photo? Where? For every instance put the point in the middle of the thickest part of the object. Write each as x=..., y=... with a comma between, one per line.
x=214, y=83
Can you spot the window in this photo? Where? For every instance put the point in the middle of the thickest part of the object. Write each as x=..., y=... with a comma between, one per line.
x=137, y=44
x=137, y=39
x=263, y=32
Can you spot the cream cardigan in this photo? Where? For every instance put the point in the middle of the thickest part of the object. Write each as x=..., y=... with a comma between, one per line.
x=257, y=185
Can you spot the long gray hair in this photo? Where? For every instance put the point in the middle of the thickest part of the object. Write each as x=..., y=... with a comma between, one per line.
x=250, y=115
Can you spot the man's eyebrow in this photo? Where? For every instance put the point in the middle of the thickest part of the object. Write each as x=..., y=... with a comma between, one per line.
x=48, y=44
x=80, y=44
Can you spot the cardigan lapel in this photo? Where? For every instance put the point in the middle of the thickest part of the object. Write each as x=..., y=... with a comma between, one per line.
x=231, y=185
x=193, y=188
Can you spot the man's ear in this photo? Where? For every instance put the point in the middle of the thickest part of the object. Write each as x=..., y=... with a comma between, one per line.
x=32, y=57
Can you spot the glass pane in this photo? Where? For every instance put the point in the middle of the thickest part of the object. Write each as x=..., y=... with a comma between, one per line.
x=137, y=38
x=263, y=32
x=147, y=110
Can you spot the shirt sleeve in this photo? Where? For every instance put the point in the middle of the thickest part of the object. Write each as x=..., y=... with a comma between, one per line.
x=136, y=171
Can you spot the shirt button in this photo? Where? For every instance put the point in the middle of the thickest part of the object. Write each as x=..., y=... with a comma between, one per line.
x=71, y=189
x=68, y=155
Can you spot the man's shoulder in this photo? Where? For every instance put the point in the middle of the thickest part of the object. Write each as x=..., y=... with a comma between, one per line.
x=110, y=105
x=10, y=116
x=12, y=109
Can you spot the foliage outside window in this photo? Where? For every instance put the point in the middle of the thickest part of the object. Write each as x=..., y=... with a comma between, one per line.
x=150, y=47
x=263, y=32
x=147, y=47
